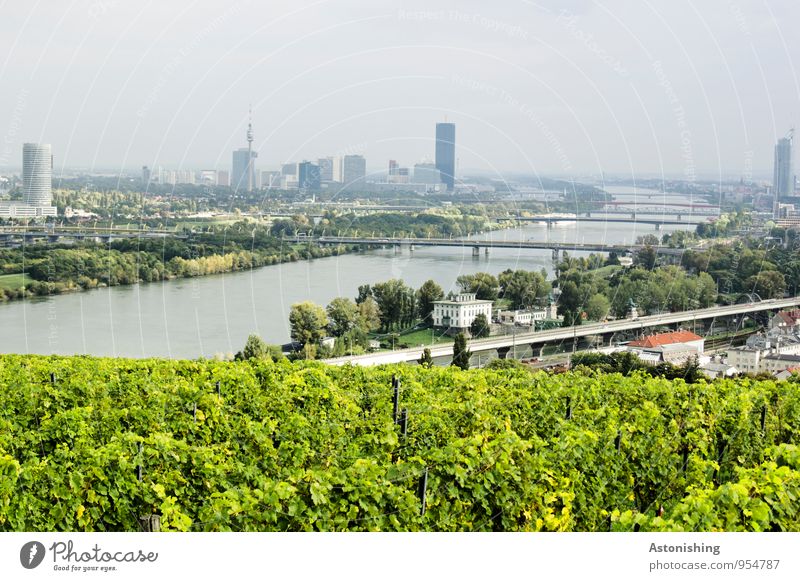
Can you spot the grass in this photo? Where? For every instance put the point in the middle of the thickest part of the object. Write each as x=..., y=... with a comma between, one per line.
x=423, y=337
x=14, y=281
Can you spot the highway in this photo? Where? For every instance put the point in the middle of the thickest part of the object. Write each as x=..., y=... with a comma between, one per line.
x=566, y=333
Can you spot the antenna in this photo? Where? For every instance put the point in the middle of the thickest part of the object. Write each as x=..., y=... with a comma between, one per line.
x=250, y=150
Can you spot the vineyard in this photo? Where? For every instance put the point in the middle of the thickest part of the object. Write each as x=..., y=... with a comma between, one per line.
x=91, y=444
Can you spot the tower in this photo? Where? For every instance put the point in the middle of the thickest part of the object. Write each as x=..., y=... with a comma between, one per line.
x=37, y=174
x=446, y=153
x=250, y=168
x=783, y=174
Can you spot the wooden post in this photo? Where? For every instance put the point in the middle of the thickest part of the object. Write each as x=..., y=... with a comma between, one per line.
x=155, y=523
x=219, y=391
x=52, y=378
x=618, y=440
x=396, y=397
x=763, y=417
x=404, y=422
x=423, y=491
x=139, y=468
x=569, y=408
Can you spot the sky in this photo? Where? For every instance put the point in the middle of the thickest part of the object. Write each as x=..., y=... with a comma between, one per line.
x=675, y=88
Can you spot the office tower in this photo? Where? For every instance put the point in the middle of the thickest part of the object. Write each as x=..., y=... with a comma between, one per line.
x=426, y=173
x=354, y=169
x=242, y=162
x=783, y=175
x=145, y=175
x=446, y=153
x=393, y=167
x=37, y=174
x=308, y=176
x=325, y=169
x=337, y=170
x=289, y=170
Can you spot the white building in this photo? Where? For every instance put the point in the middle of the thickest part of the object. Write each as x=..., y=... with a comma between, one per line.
x=676, y=347
x=460, y=312
x=750, y=358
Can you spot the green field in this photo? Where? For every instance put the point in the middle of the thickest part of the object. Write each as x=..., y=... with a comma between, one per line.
x=425, y=337
x=14, y=281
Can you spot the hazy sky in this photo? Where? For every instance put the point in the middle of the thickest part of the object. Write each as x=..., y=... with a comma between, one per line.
x=687, y=88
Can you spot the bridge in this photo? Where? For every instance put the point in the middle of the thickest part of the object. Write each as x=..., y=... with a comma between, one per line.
x=536, y=340
x=10, y=233
x=478, y=245
x=609, y=217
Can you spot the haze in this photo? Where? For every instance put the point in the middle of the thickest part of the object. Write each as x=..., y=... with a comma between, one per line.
x=683, y=89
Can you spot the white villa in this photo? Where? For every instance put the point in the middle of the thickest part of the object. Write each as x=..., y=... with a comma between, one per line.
x=460, y=312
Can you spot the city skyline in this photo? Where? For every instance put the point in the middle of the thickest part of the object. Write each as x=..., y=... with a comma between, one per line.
x=545, y=89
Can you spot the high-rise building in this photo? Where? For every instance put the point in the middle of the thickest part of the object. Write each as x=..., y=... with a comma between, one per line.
x=783, y=174
x=308, y=176
x=354, y=170
x=446, y=153
x=223, y=178
x=145, y=175
x=426, y=173
x=37, y=174
x=325, y=169
x=243, y=168
x=242, y=162
x=289, y=169
x=393, y=167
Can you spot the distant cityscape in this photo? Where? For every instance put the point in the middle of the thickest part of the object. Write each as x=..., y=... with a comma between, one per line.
x=344, y=172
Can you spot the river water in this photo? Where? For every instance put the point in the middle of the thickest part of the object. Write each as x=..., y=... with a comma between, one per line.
x=201, y=317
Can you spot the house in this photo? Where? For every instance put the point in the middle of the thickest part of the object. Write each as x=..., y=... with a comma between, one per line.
x=715, y=369
x=787, y=373
x=460, y=312
x=786, y=322
x=749, y=358
x=675, y=347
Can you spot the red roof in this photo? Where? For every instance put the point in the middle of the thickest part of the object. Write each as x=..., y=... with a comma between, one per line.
x=789, y=317
x=666, y=339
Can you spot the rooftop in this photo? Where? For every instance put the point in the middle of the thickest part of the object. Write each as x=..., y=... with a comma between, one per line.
x=661, y=339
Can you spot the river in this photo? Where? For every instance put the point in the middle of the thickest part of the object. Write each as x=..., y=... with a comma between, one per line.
x=201, y=317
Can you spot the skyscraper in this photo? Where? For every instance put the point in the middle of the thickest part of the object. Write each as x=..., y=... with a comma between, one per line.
x=308, y=176
x=354, y=170
x=325, y=169
x=37, y=174
x=145, y=175
x=243, y=168
x=242, y=161
x=783, y=174
x=446, y=153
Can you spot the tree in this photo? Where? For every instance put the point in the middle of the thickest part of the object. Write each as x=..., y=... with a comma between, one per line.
x=254, y=348
x=597, y=308
x=426, y=295
x=364, y=292
x=483, y=284
x=523, y=288
x=461, y=354
x=769, y=284
x=307, y=321
x=396, y=301
x=480, y=327
x=646, y=257
x=343, y=316
x=369, y=315
x=426, y=360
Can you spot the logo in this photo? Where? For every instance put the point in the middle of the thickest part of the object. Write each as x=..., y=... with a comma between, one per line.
x=31, y=554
